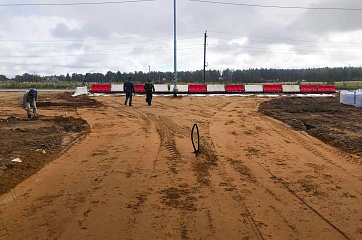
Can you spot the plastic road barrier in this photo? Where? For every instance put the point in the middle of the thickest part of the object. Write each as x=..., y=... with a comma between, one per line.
x=291, y=88
x=236, y=88
x=326, y=88
x=80, y=91
x=220, y=88
x=254, y=88
x=308, y=88
x=272, y=88
x=117, y=88
x=101, y=88
x=161, y=88
x=181, y=88
x=198, y=88
x=139, y=88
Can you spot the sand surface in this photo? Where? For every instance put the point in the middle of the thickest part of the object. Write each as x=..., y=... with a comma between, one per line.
x=135, y=176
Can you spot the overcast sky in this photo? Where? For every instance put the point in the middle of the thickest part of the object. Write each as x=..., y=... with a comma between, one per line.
x=138, y=35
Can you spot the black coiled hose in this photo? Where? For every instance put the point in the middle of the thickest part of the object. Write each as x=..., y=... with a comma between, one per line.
x=196, y=150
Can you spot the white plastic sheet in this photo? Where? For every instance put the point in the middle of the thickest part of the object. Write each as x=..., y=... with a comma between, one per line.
x=80, y=91
x=16, y=160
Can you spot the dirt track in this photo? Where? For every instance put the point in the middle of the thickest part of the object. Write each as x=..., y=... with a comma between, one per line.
x=135, y=176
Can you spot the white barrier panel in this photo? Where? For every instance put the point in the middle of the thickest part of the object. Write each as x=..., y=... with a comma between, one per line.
x=347, y=97
x=291, y=88
x=358, y=99
x=117, y=88
x=215, y=88
x=161, y=88
x=253, y=88
x=80, y=91
x=181, y=88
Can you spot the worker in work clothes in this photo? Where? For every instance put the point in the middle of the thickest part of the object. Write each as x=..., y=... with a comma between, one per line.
x=29, y=101
x=149, y=88
x=128, y=88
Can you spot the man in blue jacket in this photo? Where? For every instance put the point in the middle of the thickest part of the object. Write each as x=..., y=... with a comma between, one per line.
x=128, y=88
x=29, y=101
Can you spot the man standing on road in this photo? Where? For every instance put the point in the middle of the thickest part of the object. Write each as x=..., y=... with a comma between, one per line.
x=128, y=88
x=29, y=101
x=150, y=88
x=85, y=80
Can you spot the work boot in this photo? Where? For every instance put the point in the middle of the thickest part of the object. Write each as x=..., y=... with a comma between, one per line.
x=29, y=116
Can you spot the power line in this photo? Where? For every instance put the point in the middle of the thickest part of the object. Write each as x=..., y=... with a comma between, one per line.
x=105, y=38
x=277, y=6
x=72, y=4
x=283, y=39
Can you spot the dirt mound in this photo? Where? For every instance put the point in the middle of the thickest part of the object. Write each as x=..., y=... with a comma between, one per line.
x=35, y=143
x=324, y=118
x=65, y=99
x=40, y=140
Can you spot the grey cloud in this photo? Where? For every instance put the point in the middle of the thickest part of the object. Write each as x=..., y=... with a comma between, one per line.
x=325, y=21
x=63, y=31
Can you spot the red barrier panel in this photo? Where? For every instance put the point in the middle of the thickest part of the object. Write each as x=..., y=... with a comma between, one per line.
x=272, y=88
x=139, y=88
x=234, y=88
x=308, y=88
x=326, y=88
x=198, y=88
x=101, y=88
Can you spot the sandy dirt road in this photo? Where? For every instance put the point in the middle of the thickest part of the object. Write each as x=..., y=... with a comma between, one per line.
x=135, y=176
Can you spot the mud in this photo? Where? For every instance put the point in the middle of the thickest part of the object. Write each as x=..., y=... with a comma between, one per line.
x=322, y=117
x=38, y=141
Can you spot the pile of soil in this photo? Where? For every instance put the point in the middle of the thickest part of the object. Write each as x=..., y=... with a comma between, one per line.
x=39, y=140
x=322, y=117
x=65, y=100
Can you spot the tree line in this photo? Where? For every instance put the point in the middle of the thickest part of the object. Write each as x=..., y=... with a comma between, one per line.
x=253, y=75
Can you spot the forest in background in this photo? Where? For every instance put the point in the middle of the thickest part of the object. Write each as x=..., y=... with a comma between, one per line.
x=262, y=75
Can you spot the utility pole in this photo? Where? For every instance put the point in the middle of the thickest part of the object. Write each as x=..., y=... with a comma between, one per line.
x=205, y=36
x=175, y=90
x=149, y=72
x=231, y=74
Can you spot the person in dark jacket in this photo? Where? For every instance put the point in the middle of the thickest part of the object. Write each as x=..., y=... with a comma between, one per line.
x=128, y=88
x=85, y=80
x=149, y=88
x=29, y=101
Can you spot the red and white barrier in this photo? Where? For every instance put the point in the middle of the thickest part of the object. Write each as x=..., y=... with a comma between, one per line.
x=181, y=88
x=326, y=88
x=197, y=88
x=290, y=88
x=308, y=88
x=234, y=88
x=254, y=88
x=101, y=88
x=220, y=88
x=117, y=88
x=215, y=88
x=161, y=88
x=272, y=88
